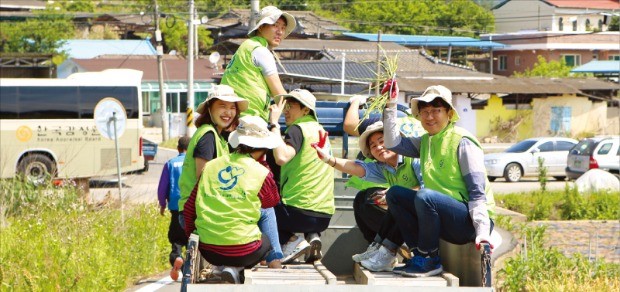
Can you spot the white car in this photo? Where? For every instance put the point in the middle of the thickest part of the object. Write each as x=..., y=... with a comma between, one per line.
x=521, y=159
x=597, y=152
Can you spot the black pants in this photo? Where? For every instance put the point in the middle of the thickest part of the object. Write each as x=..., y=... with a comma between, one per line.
x=373, y=221
x=176, y=236
x=248, y=261
x=368, y=217
x=293, y=220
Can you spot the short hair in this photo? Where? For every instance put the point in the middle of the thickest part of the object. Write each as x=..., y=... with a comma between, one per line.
x=437, y=102
x=183, y=143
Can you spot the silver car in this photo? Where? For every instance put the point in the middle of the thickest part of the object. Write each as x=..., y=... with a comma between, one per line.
x=521, y=159
x=597, y=152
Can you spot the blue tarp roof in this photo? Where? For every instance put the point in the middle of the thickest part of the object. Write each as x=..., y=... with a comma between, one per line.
x=599, y=67
x=88, y=49
x=427, y=40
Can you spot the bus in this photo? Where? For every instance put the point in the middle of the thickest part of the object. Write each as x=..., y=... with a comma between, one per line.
x=48, y=127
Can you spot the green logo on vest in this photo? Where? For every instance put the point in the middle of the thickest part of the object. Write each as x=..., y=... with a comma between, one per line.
x=228, y=177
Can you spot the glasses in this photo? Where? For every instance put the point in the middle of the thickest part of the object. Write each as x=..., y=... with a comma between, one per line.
x=288, y=105
x=427, y=113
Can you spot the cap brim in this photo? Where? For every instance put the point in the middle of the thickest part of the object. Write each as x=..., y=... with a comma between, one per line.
x=270, y=142
x=242, y=104
x=429, y=98
x=362, y=141
x=278, y=97
x=291, y=23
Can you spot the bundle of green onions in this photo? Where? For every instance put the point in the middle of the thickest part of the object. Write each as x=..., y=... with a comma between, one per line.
x=387, y=71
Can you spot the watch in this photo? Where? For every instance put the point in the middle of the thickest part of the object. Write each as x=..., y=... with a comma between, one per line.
x=272, y=125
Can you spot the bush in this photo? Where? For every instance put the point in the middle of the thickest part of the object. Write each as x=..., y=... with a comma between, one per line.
x=537, y=268
x=566, y=204
x=53, y=241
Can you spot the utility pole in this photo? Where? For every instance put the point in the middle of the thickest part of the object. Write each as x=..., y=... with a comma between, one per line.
x=378, y=63
x=254, y=7
x=190, y=71
x=160, y=76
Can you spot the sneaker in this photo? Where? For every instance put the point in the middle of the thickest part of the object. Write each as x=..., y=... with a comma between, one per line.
x=314, y=254
x=401, y=269
x=382, y=261
x=370, y=251
x=176, y=267
x=231, y=275
x=423, y=266
x=294, y=249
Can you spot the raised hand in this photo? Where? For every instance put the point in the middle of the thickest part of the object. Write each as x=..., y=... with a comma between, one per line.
x=391, y=86
x=320, y=147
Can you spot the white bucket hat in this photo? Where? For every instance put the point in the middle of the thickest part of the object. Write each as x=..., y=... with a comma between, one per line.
x=363, y=140
x=252, y=131
x=225, y=93
x=303, y=96
x=270, y=15
x=432, y=92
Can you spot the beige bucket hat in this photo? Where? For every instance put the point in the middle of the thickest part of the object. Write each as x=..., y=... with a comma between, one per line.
x=432, y=92
x=252, y=131
x=363, y=140
x=270, y=15
x=305, y=97
x=225, y=93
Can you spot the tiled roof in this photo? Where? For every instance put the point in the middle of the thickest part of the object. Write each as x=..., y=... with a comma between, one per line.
x=593, y=4
x=508, y=85
x=329, y=70
x=174, y=69
x=308, y=23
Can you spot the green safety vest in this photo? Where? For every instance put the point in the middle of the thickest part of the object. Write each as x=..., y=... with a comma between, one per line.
x=227, y=202
x=404, y=176
x=247, y=79
x=188, y=178
x=307, y=182
x=440, y=167
x=409, y=127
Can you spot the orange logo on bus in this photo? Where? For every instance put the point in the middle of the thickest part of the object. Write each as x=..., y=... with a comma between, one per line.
x=23, y=133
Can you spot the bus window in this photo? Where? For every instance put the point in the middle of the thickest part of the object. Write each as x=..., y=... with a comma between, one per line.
x=8, y=103
x=90, y=96
x=61, y=103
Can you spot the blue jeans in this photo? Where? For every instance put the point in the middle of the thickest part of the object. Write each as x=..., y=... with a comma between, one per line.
x=269, y=227
x=425, y=216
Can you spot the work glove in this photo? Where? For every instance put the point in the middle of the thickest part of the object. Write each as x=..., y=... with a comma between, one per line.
x=483, y=238
x=323, y=153
x=391, y=86
x=359, y=98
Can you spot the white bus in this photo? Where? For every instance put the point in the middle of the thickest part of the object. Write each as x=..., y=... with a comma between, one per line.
x=47, y=126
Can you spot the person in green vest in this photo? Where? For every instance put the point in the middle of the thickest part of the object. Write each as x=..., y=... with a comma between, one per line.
x=369, y=217
x=225, y=205
x=252, y=71
x=219, y=115
x=456, y=203
x=384, y=167
x=306, y=184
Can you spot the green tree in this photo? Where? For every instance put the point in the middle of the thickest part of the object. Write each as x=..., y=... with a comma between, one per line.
x=542, y=68
x=43, y=34
x=435, y=17
x=175, y=37
x=614, y=25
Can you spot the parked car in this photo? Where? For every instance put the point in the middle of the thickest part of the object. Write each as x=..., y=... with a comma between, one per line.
x=597, y=152
x=149, y=149
x=521, y=159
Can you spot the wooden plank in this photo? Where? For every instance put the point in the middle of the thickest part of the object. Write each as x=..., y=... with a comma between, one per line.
x=329, y=277
x=302, y=274
x=451, y=280
x=362, y=276
x=366, y=277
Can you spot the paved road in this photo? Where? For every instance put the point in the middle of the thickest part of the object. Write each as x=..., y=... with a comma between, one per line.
x=142, y=188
